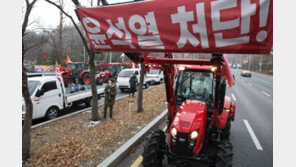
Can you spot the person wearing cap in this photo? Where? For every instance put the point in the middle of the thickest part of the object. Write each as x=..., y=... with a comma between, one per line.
x=133, y=84
x=110, y=93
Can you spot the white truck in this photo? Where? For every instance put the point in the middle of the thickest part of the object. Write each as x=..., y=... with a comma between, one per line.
x=155, y=76
x=49, y=96
x=124, y=77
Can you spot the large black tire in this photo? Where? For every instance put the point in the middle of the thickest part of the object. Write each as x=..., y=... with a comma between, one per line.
x=146, y=85
x=122, y=89
x=85, y=79
x=152, y=155
x=226, y=130
x=88, y=102
x=52, y=113
x=224, y=154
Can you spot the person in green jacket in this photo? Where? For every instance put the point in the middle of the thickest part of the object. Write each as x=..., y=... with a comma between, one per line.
x=110, y=93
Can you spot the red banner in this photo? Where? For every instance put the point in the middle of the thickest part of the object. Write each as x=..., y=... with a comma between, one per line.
x=201, y=26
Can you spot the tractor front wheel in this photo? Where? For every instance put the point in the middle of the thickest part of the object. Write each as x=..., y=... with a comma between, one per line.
x=152, y=155
x=224, y=154
x=85, y=79
x=226, y=130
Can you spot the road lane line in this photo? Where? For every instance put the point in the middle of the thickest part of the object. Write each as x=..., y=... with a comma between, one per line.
x=255, y=140
x=250, y=84
x=140, y=158
x=265, y=93
x=233, y=96
x=137, y=162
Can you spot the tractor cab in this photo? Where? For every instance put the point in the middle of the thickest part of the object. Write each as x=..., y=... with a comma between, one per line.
x=76, y=68
x=195, y=82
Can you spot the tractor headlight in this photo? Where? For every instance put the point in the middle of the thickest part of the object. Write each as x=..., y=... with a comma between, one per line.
x=174, y=132
x=193, y=135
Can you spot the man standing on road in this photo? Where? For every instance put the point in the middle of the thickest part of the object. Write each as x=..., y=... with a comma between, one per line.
x=110, y=93
x=133, y=84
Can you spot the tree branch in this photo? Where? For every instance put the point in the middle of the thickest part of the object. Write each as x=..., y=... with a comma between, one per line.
x=89, y=51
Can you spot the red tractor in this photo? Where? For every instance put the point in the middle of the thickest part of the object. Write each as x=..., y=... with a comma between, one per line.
x=73, y=72
x=104, y=72
x=200, y=114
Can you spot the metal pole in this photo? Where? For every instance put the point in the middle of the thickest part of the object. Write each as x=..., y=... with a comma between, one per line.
x=130, y=108
x=110, y=57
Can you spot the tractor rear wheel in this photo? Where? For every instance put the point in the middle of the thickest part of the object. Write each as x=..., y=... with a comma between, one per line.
x=85, y=79
x=224, y=154
x=152, y=155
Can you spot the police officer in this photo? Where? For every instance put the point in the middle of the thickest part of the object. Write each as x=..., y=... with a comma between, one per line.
x=110, y=93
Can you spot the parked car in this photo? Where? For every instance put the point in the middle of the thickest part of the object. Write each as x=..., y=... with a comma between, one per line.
x=155, y=76
x=49, y=96
x=246, y=74
x=124, y=77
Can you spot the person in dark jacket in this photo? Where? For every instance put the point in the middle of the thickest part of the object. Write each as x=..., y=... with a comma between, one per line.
x=110, y=93
x=133, y=84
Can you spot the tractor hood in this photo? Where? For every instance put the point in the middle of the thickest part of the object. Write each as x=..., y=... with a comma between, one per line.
x=191, y=116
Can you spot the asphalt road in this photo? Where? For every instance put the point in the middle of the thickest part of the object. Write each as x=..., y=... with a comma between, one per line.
x=252, y=129
x=82, y=106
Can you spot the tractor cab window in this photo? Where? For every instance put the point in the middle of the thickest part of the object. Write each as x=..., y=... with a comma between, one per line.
x=71, y=66
x=80, y=67
x=195, y=85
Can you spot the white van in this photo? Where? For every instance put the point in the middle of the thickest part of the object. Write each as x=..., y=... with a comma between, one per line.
x=155, y=76
x=124, y=77
x=49, y=96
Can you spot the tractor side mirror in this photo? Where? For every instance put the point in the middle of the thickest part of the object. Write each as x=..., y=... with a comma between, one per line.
x=39, y=93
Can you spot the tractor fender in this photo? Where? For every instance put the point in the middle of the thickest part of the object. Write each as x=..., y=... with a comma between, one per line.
x=224, y=115
x=82, y=72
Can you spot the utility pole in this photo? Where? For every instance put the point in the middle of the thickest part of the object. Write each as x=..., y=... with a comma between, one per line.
x=110, y=57
x=84, y=49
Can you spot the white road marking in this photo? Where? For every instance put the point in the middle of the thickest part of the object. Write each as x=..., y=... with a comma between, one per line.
x=233, y=96
x=250, y=84
x=255, y=140
x=265, y=93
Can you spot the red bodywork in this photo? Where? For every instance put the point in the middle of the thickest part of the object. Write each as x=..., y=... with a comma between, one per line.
x=107, y=74
x=191, y=116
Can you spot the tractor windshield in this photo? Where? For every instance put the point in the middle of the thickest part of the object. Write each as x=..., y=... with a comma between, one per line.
x=195, y=85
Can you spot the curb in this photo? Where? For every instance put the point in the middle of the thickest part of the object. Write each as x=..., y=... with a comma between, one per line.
x=121, y=153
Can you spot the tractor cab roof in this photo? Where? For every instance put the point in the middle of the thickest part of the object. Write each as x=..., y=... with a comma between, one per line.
x=196, y=67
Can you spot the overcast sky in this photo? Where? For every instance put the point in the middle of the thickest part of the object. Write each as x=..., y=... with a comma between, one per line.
x=48, y=15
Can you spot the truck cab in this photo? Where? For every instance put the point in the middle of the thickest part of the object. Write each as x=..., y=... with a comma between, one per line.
x=47, y=96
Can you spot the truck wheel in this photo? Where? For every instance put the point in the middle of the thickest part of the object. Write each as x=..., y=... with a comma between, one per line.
x=69, y=82
x=226, y=130
x=224, y=154
x=161, y=81
x=152, y=155
x=88, y=102
x=146, y=85
x=121, y=89
x=51, y=113
x=85, y=79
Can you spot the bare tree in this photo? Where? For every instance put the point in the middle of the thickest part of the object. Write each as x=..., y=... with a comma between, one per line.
x=140, y=91
x=26, y=131
x=95, y=114
x=60, y=51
